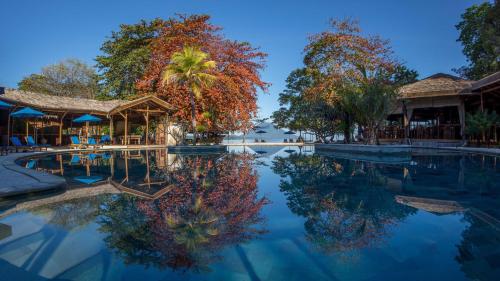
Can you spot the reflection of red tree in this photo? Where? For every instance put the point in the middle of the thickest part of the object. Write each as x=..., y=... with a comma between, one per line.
x=227, y=189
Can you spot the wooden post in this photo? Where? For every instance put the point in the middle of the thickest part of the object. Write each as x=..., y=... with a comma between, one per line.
x=61, y=128
x=126, y=128
x=27, y=128
x=111, y=129
x=482, y=102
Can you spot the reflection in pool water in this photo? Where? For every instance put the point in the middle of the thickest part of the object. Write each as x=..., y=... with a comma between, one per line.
x=151, y=215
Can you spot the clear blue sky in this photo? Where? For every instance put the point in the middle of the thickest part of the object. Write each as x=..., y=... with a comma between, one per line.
x=35, y=33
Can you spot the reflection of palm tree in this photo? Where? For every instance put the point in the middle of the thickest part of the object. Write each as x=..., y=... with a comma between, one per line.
x=180, y=231
x=194, y=225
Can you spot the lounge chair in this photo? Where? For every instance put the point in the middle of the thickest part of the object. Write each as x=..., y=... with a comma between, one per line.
x=31, y=164
x=91, y=142
x=31, y=142
x=19, y=145
x=285, y=140
x=75, y=159
x=105, y=139
x=75, y=142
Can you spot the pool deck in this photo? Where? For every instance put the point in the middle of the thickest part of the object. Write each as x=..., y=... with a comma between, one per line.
x=17, y=180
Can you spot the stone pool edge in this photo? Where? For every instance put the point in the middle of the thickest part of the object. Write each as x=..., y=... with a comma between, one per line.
x=17, y=180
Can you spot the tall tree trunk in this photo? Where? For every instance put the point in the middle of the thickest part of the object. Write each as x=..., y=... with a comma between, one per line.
x=347, y=128
x=193, y=117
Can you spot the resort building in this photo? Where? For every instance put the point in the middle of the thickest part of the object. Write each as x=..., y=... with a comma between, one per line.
x=126, y=122
x=435, y=108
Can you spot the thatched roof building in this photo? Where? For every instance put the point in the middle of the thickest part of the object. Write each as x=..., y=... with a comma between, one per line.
x=55, y=103
x=437, y=85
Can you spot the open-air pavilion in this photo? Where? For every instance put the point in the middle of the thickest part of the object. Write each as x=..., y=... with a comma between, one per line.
x=141, y=121
x=432, y=108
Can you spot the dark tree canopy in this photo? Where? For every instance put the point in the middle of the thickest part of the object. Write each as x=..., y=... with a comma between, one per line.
x=126, y=55
x=70, y=78
x=480, y=37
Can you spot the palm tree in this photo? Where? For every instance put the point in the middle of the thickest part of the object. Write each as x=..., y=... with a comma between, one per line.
x=189, y=68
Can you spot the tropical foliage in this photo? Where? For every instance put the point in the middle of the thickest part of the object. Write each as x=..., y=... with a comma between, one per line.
x=126, y=55
x=69, y=78
x=479, y=124
x=349, y=79
x=230, y=103
x=190, y=68
x=480, y=37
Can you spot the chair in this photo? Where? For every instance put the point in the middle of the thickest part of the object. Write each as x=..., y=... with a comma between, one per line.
x=31, y=164
x=91, y=142
x=75, y=142
x=31, y=142
x=285, y=140
x=75, y=159
x=18, y=145
x=105, y=139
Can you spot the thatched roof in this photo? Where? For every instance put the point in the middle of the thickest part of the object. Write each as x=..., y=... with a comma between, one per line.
x=488, y=83
x=46, y=102
x=436, y=85
x=55, y=103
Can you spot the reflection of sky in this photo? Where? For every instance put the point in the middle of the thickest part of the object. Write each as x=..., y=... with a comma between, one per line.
x=422, y=246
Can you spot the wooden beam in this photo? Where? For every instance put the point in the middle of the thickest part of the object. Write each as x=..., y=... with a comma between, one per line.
x=150, y=110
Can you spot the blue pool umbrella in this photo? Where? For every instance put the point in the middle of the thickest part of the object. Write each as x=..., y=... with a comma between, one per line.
x=87, y=118
x=5, y=105
x=88, y=179
x=290, y=133
x=27, y=113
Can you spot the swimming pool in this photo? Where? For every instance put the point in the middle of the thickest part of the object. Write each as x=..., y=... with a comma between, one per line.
x=279, y=214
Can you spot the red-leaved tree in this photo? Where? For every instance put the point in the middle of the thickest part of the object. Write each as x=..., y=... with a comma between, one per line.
x=231, y=101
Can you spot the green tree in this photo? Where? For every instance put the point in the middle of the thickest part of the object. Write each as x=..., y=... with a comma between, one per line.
x=304, y=113
x=480, y=37
x=70, y=78
x=377, y=100
x=125, y=57
x=403, y=75
x=480, y=123
x=189, y=68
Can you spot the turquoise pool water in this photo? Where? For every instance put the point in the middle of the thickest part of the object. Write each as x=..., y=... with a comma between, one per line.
x=278, y=214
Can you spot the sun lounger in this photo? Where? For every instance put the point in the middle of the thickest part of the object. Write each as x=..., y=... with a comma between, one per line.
x=19, y=145
x=91, y=142
x=75, y=142
x=105, y=139
x=31, y=142
x=75, y=159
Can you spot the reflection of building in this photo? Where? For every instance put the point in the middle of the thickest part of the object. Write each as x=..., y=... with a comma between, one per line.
x=143, y=182
x=430, y=205
x=435, y=107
